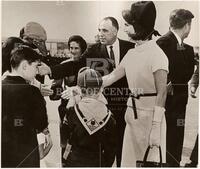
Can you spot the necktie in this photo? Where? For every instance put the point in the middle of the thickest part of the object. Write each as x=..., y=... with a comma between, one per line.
x=112, y=56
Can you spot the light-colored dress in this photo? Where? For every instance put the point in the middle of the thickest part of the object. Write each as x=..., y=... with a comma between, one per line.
x=140, y=64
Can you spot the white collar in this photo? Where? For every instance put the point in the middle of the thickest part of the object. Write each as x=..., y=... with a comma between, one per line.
x=115, y=44
x=177, y=37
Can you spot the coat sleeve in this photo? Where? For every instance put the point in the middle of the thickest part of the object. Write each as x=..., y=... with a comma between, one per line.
x=40, y=119
x=67, y=69
x=72, y=67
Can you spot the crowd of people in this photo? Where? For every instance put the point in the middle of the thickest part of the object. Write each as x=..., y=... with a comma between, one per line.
x=118, y=97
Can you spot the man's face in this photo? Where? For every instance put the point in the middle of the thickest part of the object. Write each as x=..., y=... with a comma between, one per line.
x=107, y=32
x=30, y=70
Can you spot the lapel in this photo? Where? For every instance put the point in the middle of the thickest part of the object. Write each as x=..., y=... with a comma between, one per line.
x=173, y=38
x=103, y=51
x=121, y=53
x=123, y=48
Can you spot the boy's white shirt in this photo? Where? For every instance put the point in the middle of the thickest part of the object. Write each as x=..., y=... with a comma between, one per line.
x=5, y=74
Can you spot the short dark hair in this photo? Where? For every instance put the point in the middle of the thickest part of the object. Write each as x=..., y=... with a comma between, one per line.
x=78, y=39
x=7, y=47
x=21, y=53
x=113, y=20
x=179, y=17
x=21, y=33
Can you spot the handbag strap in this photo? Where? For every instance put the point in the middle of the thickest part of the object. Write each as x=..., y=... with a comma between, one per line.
x=147, y=152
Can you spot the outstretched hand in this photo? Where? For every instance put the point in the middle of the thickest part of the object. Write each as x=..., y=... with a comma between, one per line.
x=45, y=90
x=70, y=92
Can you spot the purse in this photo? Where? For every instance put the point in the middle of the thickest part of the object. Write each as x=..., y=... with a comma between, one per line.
x=146, y=163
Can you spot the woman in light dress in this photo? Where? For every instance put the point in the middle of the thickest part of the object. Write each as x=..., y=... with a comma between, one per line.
x=146, y=69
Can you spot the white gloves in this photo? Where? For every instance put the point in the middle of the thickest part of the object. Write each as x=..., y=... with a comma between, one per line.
x=155, y=133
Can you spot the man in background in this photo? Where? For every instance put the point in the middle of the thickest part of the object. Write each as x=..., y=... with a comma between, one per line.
x=181, y=68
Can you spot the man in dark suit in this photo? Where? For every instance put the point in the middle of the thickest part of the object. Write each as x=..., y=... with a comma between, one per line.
x=181, y=68
x=103, y=57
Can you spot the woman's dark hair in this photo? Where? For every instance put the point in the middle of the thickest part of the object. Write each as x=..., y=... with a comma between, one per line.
x=141, y=33
x=142, y=17
x=78, y=39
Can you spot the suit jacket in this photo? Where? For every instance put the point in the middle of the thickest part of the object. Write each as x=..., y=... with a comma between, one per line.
x=181, y=65
x=23, y=115
x=97, y=57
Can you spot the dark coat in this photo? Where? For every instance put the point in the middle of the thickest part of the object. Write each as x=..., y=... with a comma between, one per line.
x=181, y=63
x=181, y=68
x=23, y=115
x=96, y=150
x=95, y=57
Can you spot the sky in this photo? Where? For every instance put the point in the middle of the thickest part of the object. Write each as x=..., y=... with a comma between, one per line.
x=62, y=19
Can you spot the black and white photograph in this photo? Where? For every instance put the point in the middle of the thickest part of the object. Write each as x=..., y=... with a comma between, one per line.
x=99, y=83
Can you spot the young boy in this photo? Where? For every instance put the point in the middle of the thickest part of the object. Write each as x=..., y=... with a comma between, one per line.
x=23, y=111
x=89, y=125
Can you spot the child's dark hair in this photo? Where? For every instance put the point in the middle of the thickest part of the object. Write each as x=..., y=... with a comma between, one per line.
x=7, y=48
x=21, y=53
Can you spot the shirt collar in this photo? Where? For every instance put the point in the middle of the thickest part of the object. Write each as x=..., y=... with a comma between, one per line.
x=115, y=44
x=177, y=37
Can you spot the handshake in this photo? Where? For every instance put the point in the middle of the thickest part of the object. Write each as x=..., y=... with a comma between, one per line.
x=59, y=92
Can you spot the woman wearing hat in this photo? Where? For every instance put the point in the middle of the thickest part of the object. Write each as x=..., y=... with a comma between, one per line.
x=146, y=69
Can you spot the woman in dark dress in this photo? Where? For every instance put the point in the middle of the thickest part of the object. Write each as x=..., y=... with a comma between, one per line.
x=77, y=46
